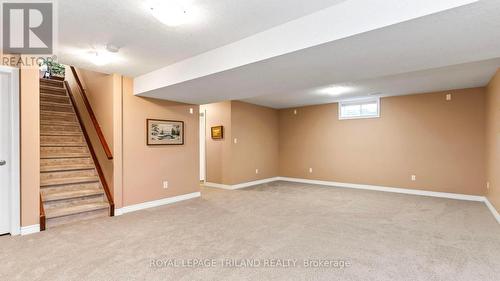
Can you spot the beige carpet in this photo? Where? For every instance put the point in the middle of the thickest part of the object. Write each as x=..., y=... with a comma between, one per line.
x=276, y=228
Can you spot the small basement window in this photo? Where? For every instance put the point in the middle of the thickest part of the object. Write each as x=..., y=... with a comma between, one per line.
x=362, y=108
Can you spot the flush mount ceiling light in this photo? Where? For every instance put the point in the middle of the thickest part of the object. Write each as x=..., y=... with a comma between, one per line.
x=100, y=58
x=103, y=56
x=173, y=12
x=336, y=90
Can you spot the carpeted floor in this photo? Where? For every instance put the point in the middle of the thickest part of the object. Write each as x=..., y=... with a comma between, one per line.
x=278, y=231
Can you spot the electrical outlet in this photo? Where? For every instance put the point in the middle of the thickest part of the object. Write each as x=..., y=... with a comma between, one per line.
x=488, y=186
x=165, y=184
x=413, y=177
x=310, y=170
x=448, y=97
x=256, y=171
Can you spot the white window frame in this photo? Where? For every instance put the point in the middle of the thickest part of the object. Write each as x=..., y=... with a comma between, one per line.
x=359, y=101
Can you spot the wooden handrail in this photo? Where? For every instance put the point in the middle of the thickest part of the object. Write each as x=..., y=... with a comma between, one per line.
x=92, y=152
x=104, y=144
x=42, y=215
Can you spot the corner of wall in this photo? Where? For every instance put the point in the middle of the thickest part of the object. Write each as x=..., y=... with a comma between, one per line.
x=118, y=89
x=30, y=146
x=493, y=140
x=145, y=167
x=244, y=155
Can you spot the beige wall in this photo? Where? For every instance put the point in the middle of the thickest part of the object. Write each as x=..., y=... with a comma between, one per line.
x=412, y=130
x=218, y=152
x=493, y=140
x=257, y=130
x=125, y=84
x=30, y=147
x=440, y=142
x=137, y=171
x=146, y=167
x=99, y=88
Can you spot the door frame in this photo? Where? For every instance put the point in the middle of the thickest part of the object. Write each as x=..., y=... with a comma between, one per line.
x=15, y=163
x=203, y=146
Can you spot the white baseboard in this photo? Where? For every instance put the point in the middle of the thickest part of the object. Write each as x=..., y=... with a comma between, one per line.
x=401, y=190
x=156, y=203
x=240, y=185
x=171, y=200
x=30, y=229
x=354, y=186
x=389, y=189
x=492, y=209
x=217, y=185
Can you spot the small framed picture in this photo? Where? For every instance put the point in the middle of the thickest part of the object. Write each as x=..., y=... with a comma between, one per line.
x=165, y=132
x=217, y=132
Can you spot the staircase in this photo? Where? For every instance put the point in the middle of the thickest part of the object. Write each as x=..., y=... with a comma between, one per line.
x=70, y=186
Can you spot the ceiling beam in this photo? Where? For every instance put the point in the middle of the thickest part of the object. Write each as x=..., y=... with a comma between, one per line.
x=346, y=19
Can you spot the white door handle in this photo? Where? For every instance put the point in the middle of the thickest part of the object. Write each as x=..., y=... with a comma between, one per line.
x=3, y=162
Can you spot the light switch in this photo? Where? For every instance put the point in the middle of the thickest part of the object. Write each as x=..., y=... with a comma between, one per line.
x=448, y=97
x=235, y=140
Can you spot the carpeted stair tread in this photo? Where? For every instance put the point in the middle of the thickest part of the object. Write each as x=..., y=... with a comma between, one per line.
x=60, y=193
x=74, y=209
x=61, y=181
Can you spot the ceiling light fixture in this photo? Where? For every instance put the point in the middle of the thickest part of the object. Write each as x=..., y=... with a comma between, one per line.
x=100, y=58
x=112, y=48
x=336, y=90
x=104, y=56
x=173, y=12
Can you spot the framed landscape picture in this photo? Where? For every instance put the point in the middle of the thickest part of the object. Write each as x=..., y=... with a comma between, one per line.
x=217, y=132
x=165, y=132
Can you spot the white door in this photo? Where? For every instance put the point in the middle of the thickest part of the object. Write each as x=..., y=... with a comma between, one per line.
x=5, y=138
x=202, y=146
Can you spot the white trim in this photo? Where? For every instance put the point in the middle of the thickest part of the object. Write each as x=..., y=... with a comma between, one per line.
x=389, y=189
x=15, y=166
x=492, y=209
x=30, y=229
x=156, y=203
x=333, y=184
x=240, y=185
x=447, y=195
x=217, y=185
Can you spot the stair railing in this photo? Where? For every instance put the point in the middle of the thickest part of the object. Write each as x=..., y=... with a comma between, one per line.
x=102, y=139
x=92, y=152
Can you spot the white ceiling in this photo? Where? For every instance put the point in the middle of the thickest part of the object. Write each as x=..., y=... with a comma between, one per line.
x=146, y=44
x=418, y=47
x=340, y=21
x=469, y=75
x=457, y=48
